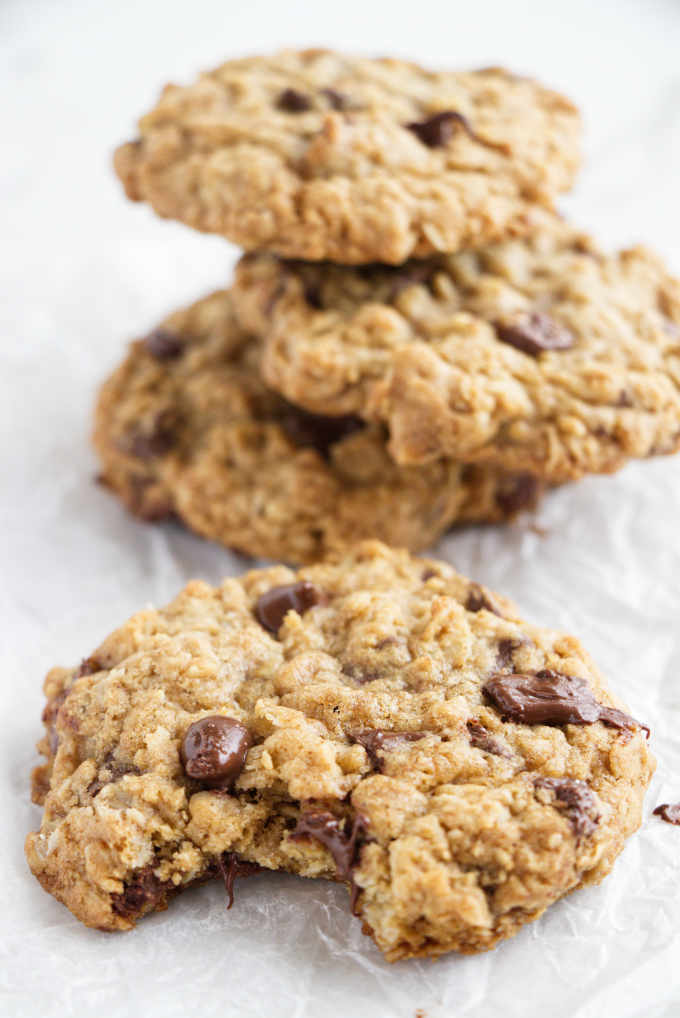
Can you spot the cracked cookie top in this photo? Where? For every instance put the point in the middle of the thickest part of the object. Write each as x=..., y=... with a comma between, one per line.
x=376, y=719
x=316, y=155
x=185, y=428
x=541, y=354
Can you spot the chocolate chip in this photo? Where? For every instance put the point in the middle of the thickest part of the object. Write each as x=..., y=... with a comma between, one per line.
x=550, y=698
x=273, y=606
x=428, y=574
x=143, y=894
x=670, y=812
x=325, y=828
x=481, y=738
x=314, y=431
x=437, y=130
x=231, y=867
x=110, y=771
x=292, y=101
x=479, y=598
x=214, y=750
x=376, y=741
x=148, y=501
x=576, y=800
x=88, y=666
x=164, y=345
x=506, y=651
x=534, y=332
x=518, y=493
x=336, y=100
x=155, y=441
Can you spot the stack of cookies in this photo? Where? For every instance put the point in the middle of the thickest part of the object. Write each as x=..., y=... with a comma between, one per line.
x=415, y=339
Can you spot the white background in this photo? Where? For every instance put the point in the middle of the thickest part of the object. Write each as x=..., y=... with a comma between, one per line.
x=82, y=271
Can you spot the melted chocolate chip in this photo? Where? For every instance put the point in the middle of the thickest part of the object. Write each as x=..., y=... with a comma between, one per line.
x=376, y=741
x=88, y=666
x=576, y=800
x=273, y=606
x=325, y=828
x=114, y=769
x=164, y=345
x=214, y=750
x=231, y=867
x=534, y=332
x=157, y=441
x=481, y=738
x=506, y=651
x=437, y=130
x=312, y=431
x=292, y=101
x=478, y=598
x=520, y=492
x=670, y=812
x=336, y=100
x=143, y=894
x=550, y=698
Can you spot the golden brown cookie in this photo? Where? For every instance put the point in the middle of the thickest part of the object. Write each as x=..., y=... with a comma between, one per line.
x=185, y=427
x=539, y=354
x=316, y=155
x=376, y=719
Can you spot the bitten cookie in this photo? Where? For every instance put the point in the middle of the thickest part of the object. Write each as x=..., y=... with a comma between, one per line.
x=375, y=719
x=540, y=354
x=185, y=427
x=317, y=155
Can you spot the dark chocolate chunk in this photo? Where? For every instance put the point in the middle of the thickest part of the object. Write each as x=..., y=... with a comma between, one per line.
x=110, y=771
x=437, y=130
x=316, y=432
x=377, y=740
x=534, y=332
x=164, y=345
x=143, y=894
x=330, y=832
x=292, y=101
x=478, y=598
x=518, y=493
x=336, y=100
x=550, y=698
x=88, y=666
x=481, y=738
x=576, y=800
x=273, y=606
x=214, y=750
x=506, y=651
x=231, y=867
x=155, y=441
x=670, y=812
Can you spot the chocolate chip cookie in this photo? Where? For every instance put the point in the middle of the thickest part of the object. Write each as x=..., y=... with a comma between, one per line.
x=375, y=719
x=540, y=354
x=186, y=428
x=316, y=155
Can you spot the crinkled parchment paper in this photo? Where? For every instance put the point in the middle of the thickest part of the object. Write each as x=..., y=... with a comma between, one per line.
x=81, y=271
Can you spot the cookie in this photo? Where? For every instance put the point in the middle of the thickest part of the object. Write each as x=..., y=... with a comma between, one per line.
x=186, y=428
x=375, y=719
x=539, y=354
x=317, y=155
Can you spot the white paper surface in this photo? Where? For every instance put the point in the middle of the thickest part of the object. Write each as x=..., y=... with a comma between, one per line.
x=80, y=272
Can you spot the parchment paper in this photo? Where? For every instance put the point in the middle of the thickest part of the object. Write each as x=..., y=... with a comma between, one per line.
x=81, y=271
